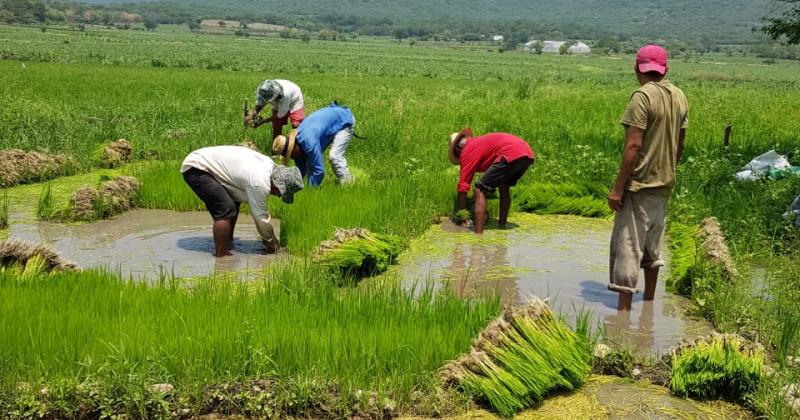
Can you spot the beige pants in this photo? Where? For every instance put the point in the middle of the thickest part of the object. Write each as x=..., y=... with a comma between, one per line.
x=636, y=238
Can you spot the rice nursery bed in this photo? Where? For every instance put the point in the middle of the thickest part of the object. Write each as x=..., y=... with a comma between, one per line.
x=170, y=93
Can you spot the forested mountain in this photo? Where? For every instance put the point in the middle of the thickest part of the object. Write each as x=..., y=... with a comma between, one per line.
x=718, y=21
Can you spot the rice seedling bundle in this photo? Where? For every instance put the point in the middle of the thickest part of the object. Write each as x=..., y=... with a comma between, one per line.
x=519, y=358
x=700, y=255
x=717, y=367
x=27, y=257
x=112, y=197
x=113, y=154
x=580, y=199
x=359, y=252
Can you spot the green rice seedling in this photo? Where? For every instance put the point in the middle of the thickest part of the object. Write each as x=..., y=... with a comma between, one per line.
x=294, y=325
x=163, y=187
x=45, y=209
x=719, y=367
x=520, y=358
x=359, y=252
x=683, y=249
x=580, y=199
x=4, y=211
x=790, y=327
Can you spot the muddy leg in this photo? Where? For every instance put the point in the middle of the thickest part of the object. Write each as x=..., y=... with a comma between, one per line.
x=480, y=210
x=625, y=300
x=505, y=205
x=223, y=231
x=650, y=281
x=233, y=223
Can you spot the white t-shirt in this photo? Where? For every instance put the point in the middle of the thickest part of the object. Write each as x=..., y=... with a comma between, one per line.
x=291, y=101
x=245, y=174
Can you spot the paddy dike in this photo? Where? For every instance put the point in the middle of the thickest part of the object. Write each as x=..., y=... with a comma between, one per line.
x=563, y=258
x=146, y=244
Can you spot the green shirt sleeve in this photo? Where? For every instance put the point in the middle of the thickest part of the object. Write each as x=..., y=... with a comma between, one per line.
x=636, y=113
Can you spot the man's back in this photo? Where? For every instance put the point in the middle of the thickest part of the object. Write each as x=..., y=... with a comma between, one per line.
x=661, y=110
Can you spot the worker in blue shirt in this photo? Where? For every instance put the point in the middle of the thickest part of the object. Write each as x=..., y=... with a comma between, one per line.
x=330, y=126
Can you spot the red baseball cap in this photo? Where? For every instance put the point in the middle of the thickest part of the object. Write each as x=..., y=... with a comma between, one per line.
x=652, y=58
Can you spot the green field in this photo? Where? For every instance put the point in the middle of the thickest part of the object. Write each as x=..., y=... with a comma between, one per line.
x=171, y=91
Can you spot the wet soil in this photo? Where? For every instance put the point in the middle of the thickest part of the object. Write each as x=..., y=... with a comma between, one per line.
x=614, y=398
x=562, y=258
x=145, y=244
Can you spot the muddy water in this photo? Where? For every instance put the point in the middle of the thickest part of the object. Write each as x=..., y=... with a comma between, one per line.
x=145, y=244
x=558, y=257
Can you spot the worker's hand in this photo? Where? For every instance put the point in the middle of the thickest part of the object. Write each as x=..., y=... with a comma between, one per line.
x=272, y=246
x=615, y=200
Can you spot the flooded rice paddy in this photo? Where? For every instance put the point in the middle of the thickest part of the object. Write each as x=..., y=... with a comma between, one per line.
x=147, y=244
x=562, y=258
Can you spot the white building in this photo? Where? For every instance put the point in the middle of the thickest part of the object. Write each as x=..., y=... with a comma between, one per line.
x=497, y=38
x=554, y=47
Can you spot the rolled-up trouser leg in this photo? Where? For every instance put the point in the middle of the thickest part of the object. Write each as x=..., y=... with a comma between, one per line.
x=636, y=238
x=336, y=155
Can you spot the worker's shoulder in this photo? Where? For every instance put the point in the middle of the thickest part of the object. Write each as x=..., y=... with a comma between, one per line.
x=652, y=89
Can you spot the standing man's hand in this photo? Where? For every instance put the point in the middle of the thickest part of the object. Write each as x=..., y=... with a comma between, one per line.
x=615, y=200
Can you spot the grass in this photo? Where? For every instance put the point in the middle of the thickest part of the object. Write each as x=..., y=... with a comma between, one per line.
x=719, y=368
x=293, y=325
x=407, y=100
x=4, y=211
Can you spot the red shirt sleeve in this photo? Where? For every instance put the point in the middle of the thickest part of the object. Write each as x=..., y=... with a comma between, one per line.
x=467, y=173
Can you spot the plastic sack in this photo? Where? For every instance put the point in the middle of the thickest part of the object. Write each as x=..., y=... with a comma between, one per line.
x=762, y=165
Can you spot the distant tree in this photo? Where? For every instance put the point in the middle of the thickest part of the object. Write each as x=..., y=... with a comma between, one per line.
x=538, y=46
x=151, y=22
x=194, y=25
x=564, y=48
x=787, y=25
x=221, y=24
x=305, y=37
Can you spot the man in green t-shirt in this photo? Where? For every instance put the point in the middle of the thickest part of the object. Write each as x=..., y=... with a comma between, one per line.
x=655, y=127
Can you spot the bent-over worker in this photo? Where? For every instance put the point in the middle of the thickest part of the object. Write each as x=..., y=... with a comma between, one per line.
x=503, y=158
x=225, y=176
x=330, y=126
x=655, y=128
x=287, y=105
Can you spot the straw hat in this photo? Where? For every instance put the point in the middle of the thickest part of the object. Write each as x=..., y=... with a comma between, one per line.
x=283, y=147
x=454, y=139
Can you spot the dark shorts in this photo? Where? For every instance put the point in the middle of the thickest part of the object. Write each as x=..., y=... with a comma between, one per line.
x=503, y=174
x=216, y=198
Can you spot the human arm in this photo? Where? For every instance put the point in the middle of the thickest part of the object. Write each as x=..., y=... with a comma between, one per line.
x=681, y=140
x=634, y=137
x=257, y=199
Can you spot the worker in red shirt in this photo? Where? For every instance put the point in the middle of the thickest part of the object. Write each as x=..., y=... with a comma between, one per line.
x=501, y=157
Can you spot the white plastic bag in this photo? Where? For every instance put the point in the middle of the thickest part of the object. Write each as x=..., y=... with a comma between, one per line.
x=770, y=160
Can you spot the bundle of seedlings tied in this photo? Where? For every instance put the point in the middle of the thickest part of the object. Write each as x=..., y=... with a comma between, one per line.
x=113, y=154
x=716, y=367
x=519, y=358
x=20, y=167
x=112, y=197
x=580, y=199
x=359, y=252
x=27, y=257
x=700, y=256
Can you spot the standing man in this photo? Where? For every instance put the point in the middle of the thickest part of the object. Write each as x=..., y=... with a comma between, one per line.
x=225, y=176
x=655, y=128
x=287, y=104
x=329, y=126
x=503, y=159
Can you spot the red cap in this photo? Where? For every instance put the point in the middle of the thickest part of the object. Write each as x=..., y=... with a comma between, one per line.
x=652, y=58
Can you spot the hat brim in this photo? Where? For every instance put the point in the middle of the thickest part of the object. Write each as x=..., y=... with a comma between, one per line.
x=451, y=152
x=648, y=67
x=291, y=141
